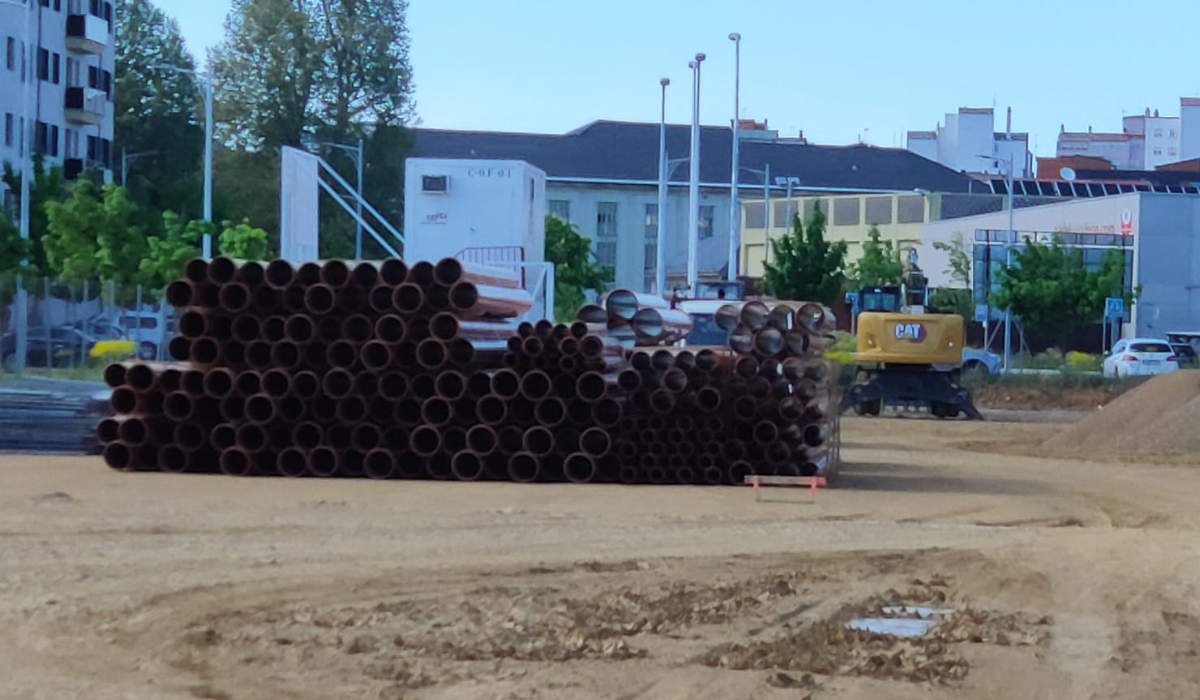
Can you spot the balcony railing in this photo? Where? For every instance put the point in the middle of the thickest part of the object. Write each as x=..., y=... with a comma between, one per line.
x=84, y=105
x=86, y=33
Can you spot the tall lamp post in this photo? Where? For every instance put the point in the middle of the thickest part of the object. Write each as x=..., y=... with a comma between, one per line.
x=734, y=213
x=694, y=176
x=20, y=299
x=127, y=158
x=660, y=269
x=205, y=82
x=1012, y=240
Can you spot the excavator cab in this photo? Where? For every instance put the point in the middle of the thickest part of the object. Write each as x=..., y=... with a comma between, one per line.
x=906, y=357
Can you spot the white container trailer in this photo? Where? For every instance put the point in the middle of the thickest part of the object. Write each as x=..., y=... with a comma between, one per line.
x=479, y=210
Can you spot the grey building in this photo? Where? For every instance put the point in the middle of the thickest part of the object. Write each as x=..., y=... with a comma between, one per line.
x=603, y=177
x=71, y=68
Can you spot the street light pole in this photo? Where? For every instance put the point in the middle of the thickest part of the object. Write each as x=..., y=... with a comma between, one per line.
x=1007, y=263
x=20, y=299
x=127, y=158
x=735, y=217
x=205, y=82
x=660, y=268
x=694, y=176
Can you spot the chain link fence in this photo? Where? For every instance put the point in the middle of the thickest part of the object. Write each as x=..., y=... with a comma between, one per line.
x=81, y=325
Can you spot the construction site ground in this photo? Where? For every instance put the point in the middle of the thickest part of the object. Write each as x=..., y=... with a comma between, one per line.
x=1057, y=579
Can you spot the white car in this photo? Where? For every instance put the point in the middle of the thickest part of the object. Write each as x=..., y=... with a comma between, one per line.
x=1140, y=356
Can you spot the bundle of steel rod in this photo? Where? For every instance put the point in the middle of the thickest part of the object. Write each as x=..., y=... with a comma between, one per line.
x=638, y=319
x=369, y=369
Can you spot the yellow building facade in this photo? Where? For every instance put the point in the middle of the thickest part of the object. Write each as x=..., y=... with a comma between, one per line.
x=899, y=216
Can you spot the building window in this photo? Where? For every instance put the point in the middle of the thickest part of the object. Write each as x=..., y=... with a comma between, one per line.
x=753, y=215
x=55, y=65
x=705, y=224
x=53, y=144
x=10, y=53
x=561, y=208
x=1171, y=133
x=72, y=72
x=811, y=205
x=879, y=210
x=43, y=64
x=606, y=233
x=1158, y=133
x=39, y=137
x=21, y=138
x=650, y=260
x=1158, y=151
x=910, y=209
x=1171, y=150
x=845, y=211
x=8, y=129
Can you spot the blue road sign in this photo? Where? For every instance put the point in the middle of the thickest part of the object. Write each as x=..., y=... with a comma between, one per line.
x=1114, y=307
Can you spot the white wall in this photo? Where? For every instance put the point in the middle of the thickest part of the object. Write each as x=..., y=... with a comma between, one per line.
x=926, y=147
x=1189, y=127
x=488, y=203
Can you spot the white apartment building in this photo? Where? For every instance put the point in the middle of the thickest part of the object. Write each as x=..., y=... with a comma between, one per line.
x=968, y=142
x=1145, y=141
x=71, y=68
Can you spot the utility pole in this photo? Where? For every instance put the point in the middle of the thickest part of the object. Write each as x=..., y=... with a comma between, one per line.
x=21, y=300
x=735, y=214
x=660, y=267
x=205, y=82
x=694, y=177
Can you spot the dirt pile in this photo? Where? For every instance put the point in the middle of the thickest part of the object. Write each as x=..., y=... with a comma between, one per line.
x=1158, y=418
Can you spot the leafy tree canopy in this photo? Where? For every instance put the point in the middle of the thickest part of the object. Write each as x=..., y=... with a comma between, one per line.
x=879, y=265
x=1050, y=289
x=575, y=268
x=804, y=266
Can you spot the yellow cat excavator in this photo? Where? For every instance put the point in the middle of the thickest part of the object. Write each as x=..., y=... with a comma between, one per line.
x=907, y=358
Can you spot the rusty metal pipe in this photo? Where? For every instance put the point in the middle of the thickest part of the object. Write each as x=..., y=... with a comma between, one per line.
x=379, y=298
x=251, y=437
x=675, y=381
x=754, y=314
x=738, y=471
x=431, y=354
x=319, y=299
x=538, y=441
x=741, y=339
x=765, y=432
x=376, y=355
x=173, y=459
x=120, y=456
x=662, y=401
x=365, y=437
x=342, y=354
x=323, y=462
x=335, y=273
x=579, y=468
x=260, y=408
x=660, y=325
x=221, y=270
x=483, y=301
x=492, y=409
x=236, y=461
x=708, y=399
x=534, y=385
x=258, y=354
x=436, y=411
x=550, y=411
x=351, y=409
x=391, y=328
x=768, y=341
x=524, y=467
x=234, y=297
x=467, y=465
x=292, y=462
x=393, y=385
x=425, y=440
x=606, y=413
x=624, y=303
x=596, y=442
x=267, y=301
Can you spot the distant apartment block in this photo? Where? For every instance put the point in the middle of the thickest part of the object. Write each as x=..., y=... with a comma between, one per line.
x=71, y=70
x=968, y=142
x=1145, y=142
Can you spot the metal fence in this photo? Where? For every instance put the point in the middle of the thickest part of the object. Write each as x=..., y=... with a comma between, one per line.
x=65, y=322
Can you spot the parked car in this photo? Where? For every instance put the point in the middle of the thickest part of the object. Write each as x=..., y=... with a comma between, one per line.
x=62, y=347
x=1140, y=356
x=981, y=361
x=1186, y=355
x=145, y=328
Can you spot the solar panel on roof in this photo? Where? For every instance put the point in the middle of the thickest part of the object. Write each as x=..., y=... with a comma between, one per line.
x=1065, y=189
x=1142, y=187
x=999, y=187
x=1110, y=188
x=1191, y=189
x=1125, y=187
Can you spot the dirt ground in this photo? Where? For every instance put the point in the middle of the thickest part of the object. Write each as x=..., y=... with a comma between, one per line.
x=1054, y=579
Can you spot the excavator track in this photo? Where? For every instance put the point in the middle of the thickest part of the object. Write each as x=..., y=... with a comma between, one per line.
x=938, y=392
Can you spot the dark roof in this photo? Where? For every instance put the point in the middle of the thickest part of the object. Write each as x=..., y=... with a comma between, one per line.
x=607, y=150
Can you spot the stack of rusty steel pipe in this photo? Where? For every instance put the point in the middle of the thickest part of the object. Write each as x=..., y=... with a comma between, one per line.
x=369, y=369
x=382, y=370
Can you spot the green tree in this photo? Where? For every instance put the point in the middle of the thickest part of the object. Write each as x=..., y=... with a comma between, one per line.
x=266, y=70
x=156, y=111
x=1051, y=290
x=958, y=299
x=575, y=268
x=13, y=249
x=94, y=235
x=243, y=241
x=879, y=265
x=48, y=186
x=804, y=266
x=168, y=252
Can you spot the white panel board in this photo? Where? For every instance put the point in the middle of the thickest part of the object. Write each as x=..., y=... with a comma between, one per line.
x=298, y=206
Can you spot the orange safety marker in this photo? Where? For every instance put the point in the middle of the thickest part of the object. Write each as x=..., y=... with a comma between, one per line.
x=812, y=482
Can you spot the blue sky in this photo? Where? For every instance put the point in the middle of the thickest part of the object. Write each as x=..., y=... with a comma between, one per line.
x=836, y=70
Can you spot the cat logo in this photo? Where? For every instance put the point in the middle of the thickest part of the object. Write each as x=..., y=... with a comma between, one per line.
x=914, y=332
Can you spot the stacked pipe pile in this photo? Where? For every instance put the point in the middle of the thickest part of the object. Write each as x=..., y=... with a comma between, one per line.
x=764, y=404
x=385, y=371
x=322, y=370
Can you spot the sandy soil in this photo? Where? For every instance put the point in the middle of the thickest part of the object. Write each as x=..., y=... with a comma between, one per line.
x=1065, y=579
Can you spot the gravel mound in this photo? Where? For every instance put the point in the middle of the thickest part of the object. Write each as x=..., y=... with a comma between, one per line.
x=1159, y=418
